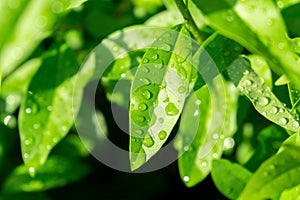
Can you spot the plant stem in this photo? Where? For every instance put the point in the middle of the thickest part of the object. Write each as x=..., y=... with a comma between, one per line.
x=190, y=21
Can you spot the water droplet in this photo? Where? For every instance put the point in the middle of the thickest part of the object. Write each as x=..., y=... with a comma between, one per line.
x=280, y=4
x=171, y=109
x=145, y=69
x=140, y=118
x=54, y=140
x=32, y=109
x=196, y=113
x=159, y=66
x=198, y=102
x=165, y=47
x=145, y=60
x=28, y=110
x=155, y=56
x=228, y=143
x=49, y=108
x=64, y=128
x=41, y=21
x=274, y=110
x=145, y=81
x=203, y=163
x=161, y=120
x=263, y=101
x=28, y=141
x=186, y=178
x=216, y=136
x=139, y=132
x=162, y=135
x=148, y=141
x=7, y=119
x=133, y=139
x=215, y=155
x=283, y=121
x=31, y=171
x=142, y=107
x=147, y=94
x=181, y=89
x=280, y=45
x=123, y=75
x=246, y=72
x=229, y=18
x=294, y=124
x=57, y=7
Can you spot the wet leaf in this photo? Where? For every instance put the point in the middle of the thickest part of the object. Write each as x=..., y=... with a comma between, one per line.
x=158, y=93
x=230, y=178
x=276, y=174
x=46, y=113
x=261, y=96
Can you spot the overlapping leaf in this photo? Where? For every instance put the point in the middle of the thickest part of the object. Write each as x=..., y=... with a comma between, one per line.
x=238, y=21
x=46, y=113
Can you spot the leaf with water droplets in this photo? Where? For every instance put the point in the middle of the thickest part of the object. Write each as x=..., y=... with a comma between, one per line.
x=237, y=20
x=14, y=86
x=155, y=106
x=230, y=178
x=295, y=99
x=46, y=113
x=261, y=96
x=201, y=134
x=276, y=174
x=57, y=171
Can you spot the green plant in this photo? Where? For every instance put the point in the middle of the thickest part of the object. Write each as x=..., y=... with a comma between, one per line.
x=223, y=74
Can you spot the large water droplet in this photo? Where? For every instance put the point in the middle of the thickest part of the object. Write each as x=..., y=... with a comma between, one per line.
x=181, y=89
x=139, y=132
x=159, y=66
x=274, y=110
x=162, y=135
x=145, y=60
x=283, y=121
x=203, y=164
x=263, y=101
x=142, y=107
x=155, y=56
x=28, y=141
x=171, y=109
x=148, y=141
x=31, y=171
x=145, y=81
x=140, y=118
x=147, y=94
x=165, y=47
x=32, y=109
x=229, y=18
x=294, y=124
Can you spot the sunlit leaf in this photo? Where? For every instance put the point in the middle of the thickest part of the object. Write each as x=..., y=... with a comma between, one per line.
x=229, y=178
x=238, y=21
x=261, y=96
x=291, y=194
x=157, y=95
x=276, y=174
x=57, y=171
x=46, y=113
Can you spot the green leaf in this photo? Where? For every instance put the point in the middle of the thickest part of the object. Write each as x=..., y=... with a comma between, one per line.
x=76, y=3
x=291, y=194
x=15, y=86
x=282, y=4
x=229, y=178
x=158, y=93
x=46, y=113
x=201, y=136
x=276, y=174
x=35, y=20
x=238, y=20
x=57, y=171
x=261, y=96
x=270, y=139
x=291, y=16
x=295, y=98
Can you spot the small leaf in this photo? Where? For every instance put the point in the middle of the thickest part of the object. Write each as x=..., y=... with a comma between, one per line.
x=46, y=113
x=57, y=171
x=76, y=3
x=261, y=96
x=229, y=178
x=276, y=174
x=282, y=80
x=158, y=94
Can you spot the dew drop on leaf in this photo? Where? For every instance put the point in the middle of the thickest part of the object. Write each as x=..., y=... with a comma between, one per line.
x=294, y=124
x=145, y=60
x=165, y=47
x=145, y=69
x=142, y=107
x=162, y=135
x=31, y=171
x=181, y=89
x=203, y=163
x=263, y=101
x=283, y=121
x=186, y=178
x=274, y=110
x=155, y=56
x=145, y=81
x=148, y=141
x=171, y=109
x=138, y=132
x=161, y=120
x=147, y=94
x=140, y=118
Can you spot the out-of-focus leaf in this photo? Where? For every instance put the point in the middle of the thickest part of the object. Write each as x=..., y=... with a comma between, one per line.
x=261, y=96
x=158, y=92
x=238, y=20
x=201, y=136
x=291, y=16
x=15, y=86
x=261, y=67
x=269, y=139
x=291, y=194
x=165, y=18
x=282, y=4
x=46, y=114
x=56, y=172
x=35, y=20
x=229, y=178
x=276, y=174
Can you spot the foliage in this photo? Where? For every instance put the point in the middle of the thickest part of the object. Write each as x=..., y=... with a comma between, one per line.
x=223, y=74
